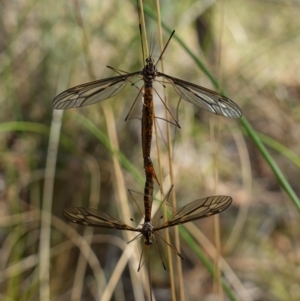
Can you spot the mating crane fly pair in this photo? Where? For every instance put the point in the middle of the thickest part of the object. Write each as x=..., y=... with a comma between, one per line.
x=99, y=90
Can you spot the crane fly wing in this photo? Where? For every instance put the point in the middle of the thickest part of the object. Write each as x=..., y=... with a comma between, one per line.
x=197, y=209
x=92, y=92
x=204, y=98
x=91, y=217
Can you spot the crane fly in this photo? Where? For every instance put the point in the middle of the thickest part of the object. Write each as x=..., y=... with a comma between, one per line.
x=99, y=90
x=195, y=210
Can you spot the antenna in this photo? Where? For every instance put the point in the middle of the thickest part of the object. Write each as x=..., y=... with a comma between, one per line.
x=160, y=57
x=142, y=28
x=142, y=44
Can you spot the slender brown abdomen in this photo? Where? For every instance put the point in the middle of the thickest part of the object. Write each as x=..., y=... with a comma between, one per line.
x=148, y=196
x=147, y=121
x=147, y=125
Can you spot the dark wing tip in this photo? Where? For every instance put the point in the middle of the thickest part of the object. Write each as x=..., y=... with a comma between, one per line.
x=74, y=214
x=230, y=109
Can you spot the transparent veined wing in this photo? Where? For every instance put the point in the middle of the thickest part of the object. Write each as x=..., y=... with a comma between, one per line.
x=92, y=92
x=204, y=98
x=197, y=209
x=91, y=217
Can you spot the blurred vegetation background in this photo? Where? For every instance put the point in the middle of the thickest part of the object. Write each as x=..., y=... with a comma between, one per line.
x=51, y=160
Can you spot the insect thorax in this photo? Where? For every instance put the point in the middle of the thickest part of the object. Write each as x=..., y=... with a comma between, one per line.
x=147, y=231
x=149, y=71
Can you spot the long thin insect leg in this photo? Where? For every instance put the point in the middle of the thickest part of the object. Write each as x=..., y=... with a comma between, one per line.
x=161, y=118
x=147, y=256
x=165, y=47
x=166, y=198
x=119, y=71
x=130, y=192
x=173, y=248
x=140, y=261
x=136, y=237
x=133, y=103
x=177, y=124
x=149, y=275
x=160, y=253
x=177, y=109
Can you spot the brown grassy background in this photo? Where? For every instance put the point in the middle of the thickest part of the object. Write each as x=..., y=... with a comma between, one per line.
x=250, y=46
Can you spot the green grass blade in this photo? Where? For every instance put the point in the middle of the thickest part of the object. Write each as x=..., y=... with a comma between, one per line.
x=276, y=170
x=34, y=127
x=206, y=262
x=294, y=158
